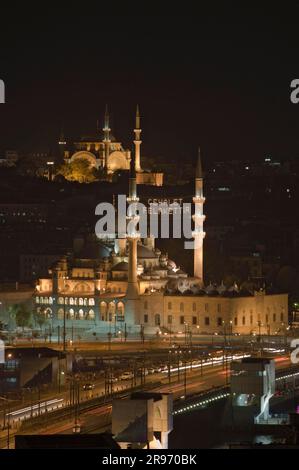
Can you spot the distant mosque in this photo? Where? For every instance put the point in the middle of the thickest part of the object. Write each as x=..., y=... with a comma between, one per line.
x=103, y=151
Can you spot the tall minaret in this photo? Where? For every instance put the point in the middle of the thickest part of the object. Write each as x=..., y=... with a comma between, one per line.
x=132, y=296
x=137, y=141
x=199, y=218
x=62, y=144
x=106, y=130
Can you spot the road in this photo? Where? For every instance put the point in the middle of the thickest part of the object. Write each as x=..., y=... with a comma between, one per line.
x=196, y=381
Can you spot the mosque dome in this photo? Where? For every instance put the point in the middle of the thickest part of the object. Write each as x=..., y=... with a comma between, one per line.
x=171, y=264
x=94, y=250
x=122, y=266
x=144, y=252
x=221, y=288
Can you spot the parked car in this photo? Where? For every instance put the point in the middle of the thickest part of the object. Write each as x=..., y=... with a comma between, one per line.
x=126, y=376
x=88, y=386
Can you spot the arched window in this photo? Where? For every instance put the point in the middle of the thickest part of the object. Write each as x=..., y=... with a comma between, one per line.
x=37, y=300
x=91, y=314
x=60, y=314
x=243, y=320
x=120, y=309
x=81, y=314
x=157, y=319
x=80, y=301
x=72, y=313
x=103, y=311
x=50, y=300
x=85, y=301
x=111, y=308
x=48, y=313
x=71, y=301
x=91, y=302
x=60, y=300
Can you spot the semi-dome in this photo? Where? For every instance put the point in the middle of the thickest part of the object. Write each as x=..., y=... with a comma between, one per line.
x=171, y=264
x=144, y=252
x=94, y=250
x=122, y=266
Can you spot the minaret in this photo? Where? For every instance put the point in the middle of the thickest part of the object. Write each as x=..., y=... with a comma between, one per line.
x=132, y=296
x=106, y=130
x=62, y=144
x=199, y=218
x=137, y=141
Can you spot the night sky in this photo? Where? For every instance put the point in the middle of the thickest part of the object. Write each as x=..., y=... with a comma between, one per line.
x=218, y=80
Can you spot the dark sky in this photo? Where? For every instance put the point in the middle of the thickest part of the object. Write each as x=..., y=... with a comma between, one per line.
x=221, y=80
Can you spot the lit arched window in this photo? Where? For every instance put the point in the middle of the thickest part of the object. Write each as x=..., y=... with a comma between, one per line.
x=91, y=314
x=80, y=301
x=81, y=314
x=91, y=302
x=103, y=311
x=37, y=300
x=60, y=300
x=112, y=308
x=120, y=309
x=72, y=313
x=71, y=301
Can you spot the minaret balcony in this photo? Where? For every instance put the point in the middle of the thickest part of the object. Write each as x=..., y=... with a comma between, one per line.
x=199, y=200
x=199, y=218
x=198, y=234
x=133, y=235
x=133, y=218
x=132, y=199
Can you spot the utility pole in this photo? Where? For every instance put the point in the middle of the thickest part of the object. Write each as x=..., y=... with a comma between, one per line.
x=185, y=376
x=64, y=325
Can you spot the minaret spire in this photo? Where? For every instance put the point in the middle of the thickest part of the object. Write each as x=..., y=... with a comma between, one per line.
x=62, y=144
x=199, y=165
x=199, y=218
x=106, y=130
x=137, y=140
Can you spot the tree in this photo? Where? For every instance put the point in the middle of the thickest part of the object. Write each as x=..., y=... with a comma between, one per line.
x=22, y=315
x=79, y=170
x=40, y=318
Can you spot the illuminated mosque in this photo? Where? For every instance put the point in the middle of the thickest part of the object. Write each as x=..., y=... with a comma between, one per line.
x=103, y=151
x=125, y=286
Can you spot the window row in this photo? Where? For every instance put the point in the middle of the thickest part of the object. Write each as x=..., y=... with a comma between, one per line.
x=207, y=321
x=71, y=314
x=66, y=301
x=182, y=306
